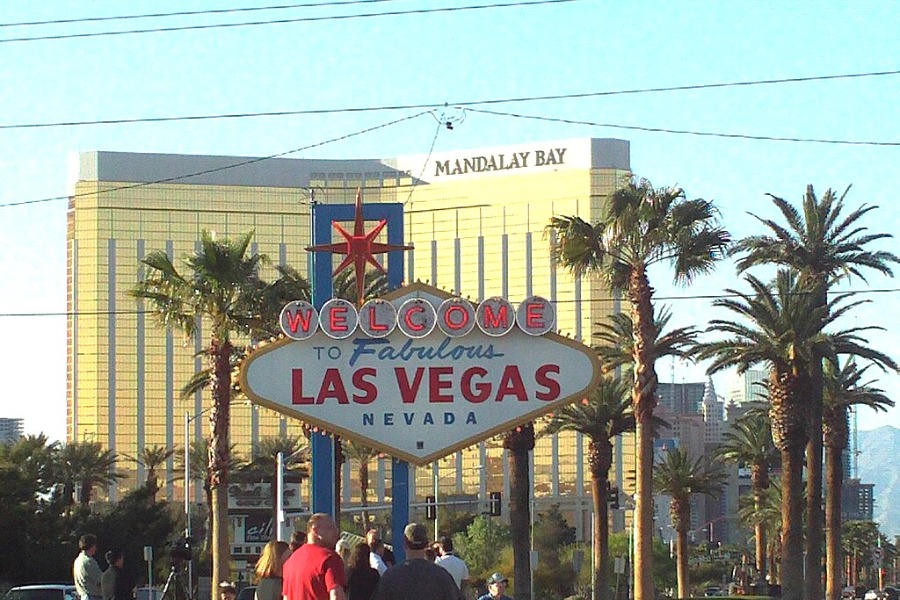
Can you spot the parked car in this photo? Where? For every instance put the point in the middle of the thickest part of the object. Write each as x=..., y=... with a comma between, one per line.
x=712, y=591
x=876, y=595
x=43, y=591
x=892, y=593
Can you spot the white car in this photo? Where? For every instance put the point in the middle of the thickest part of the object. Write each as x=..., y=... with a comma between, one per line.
x=876, y=595
x=43, y=591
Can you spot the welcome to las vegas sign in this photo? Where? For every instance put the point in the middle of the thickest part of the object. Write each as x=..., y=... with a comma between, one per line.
x=419, y=374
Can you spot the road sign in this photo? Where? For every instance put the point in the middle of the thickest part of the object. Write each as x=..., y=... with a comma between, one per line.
x=422, y=398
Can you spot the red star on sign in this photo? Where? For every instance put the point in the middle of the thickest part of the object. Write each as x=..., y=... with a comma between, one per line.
x=359, y=247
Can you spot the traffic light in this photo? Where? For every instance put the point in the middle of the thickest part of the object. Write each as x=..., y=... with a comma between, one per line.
x=496, y=499
x=430, y=508
x=613, y=497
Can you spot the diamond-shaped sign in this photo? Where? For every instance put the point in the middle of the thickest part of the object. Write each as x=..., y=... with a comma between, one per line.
x=419, y=399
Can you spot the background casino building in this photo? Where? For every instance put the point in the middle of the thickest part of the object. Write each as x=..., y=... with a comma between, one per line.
x=475, y=218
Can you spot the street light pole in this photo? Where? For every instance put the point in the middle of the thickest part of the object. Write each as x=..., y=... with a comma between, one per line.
x=279, y=500
x=187, y=496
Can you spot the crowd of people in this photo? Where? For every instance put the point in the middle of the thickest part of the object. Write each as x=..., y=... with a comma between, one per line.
x=319, y=565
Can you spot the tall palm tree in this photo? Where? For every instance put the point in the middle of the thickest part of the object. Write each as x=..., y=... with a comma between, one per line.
x=642, y=226
x=152, y=458
x=821, y=246
x=602, y=417
x=221, y=284
x=749, y=443
x=679, y=476
x=518, y=443
x=363, y=455
x=782, y=328
x=844, y=388
x=85, y=465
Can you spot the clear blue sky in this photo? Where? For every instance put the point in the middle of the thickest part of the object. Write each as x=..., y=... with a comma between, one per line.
x=576, y=47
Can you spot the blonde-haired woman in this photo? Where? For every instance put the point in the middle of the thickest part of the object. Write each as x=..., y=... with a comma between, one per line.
x=268, y=570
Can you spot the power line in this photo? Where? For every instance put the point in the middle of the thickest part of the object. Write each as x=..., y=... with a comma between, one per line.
x=190, y=13
x=464, y=104
x=107, y=313
x=242, y=163
x=743, y=136
x=447, y=9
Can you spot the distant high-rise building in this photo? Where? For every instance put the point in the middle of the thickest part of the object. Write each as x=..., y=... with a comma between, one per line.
x=681, y=398
x=11, y=429
x=857, y=500
x=713, y=414
x=746, y=387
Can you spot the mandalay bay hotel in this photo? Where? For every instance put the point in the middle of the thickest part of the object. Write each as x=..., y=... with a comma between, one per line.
x=476, y=219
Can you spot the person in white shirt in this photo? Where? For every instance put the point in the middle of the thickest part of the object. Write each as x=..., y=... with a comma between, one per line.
x=85, y=571
x=376, y=549
x=451, y=562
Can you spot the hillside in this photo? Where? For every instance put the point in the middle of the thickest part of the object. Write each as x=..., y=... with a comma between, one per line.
x=878, y=464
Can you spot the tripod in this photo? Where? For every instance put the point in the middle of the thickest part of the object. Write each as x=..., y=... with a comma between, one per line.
x=174, y=585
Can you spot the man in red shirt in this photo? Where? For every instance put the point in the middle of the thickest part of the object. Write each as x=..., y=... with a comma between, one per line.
x=315, y=571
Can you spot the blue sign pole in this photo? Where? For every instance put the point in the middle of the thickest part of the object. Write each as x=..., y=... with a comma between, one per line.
x=323, y=467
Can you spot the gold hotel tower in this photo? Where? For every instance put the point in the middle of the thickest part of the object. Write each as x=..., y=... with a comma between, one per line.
x=477, y=221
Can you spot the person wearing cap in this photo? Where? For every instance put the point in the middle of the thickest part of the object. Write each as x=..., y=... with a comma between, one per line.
x=315, y=571
x=417, y=578
x=496, y=587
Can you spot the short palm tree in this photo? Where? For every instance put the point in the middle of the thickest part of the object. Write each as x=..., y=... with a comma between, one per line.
x=152, y=458
x=679, y=476
x=844, y=389
x=363, y=455
x=781, y=326
x=221, y=284
x=642, y=226
x=602, y=417
x=821, y=245
x=85, y=465
x=768, y=513
x=263, y=463
x=749, y=443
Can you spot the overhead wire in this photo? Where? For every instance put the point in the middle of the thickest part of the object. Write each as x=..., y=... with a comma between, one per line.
x=461, y=104
x=394, y=13
x=190, y=13
x=743, y=136
x=242, y=163
x=94, y=313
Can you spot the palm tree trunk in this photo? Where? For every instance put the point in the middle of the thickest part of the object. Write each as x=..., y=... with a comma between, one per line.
x=834, y=479
x=792, y=518
x=643, y=397
x=220, y=418
x=600, y=542
x=681, y=563
x=761, y=562
x=814, y=516
x=364, y=491
x=520, y=508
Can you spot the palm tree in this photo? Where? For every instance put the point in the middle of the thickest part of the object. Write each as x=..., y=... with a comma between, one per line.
x=821, y=246
x=843, y=389
x=199, y=471
x=749, y=443
x=221, y=283
x=679, y=476
x=85, y=465
x=602, y=417
x=519, y=442
x=642, y=226
x=768, y=513
x=151, y=458
x=363, y=455
x=263, y=464
x=784, y=332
